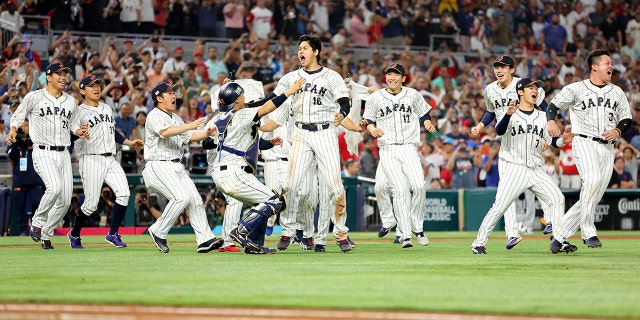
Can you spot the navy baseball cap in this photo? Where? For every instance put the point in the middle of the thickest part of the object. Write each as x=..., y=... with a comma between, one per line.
x=163, y=87
x=228, y=95
x=525, y=82
x=396, y=67
x=505, y=60
x=89, y=80
x=56, y=67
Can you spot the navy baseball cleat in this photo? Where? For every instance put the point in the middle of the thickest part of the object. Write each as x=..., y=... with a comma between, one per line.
x=261, y=250
x=46, y=244
x=593, y=242
x=353, y=244
x=383, y=232
x=209, y=245
x=115, y=240
x=320, y=248
x=397, y=239
x=478, y=250
x=299, y=236
x=284, y=242
x=161, y=244
x=35, y=234
x=512, y=242
x=306, y=244
x=344, y=245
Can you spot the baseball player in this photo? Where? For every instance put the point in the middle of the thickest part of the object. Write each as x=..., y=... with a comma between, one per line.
x=98, y=164
x=166, y=134
x=320, y=106
x=600, y=113
x=236, y=162
x=394, y=115
x=497, y=96
x=50, y=112
x=522, y=128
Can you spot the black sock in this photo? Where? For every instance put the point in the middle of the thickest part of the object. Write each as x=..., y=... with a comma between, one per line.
x=81, y=218
x=117, y=214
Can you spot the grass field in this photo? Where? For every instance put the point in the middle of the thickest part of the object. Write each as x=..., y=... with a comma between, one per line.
x=376, y=275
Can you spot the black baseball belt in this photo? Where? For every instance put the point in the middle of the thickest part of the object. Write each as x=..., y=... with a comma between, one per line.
x=53, y=148
x=599, y=140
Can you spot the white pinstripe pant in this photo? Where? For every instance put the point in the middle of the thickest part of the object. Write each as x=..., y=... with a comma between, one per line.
x=276, y=173
x=594, y=161
x=232, y=214
x=172, y=180
x=513, y=182
x=403, y=171
x=96, y=169
x=54, y=168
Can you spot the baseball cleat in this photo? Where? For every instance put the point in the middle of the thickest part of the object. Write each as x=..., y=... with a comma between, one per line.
x=512, y=242
x=284, y=242
x=74, y=242
x=115, y=240
x=230, y=248
x=268, y=231
x=406, y=243
x=397, y=239
x=593, y=242
x=211, y=244
x=35, y=233
x=46, y=244
x=298, y=237
x=344, y=245
x=353, y=244
x=306, y=244
x=239, y=237
x=548, y=228
x=320, y=248
x=383, y=232
x=568, y=247
x=160, y=243
x=422, y=239
x=261, y=250
x=478, y=250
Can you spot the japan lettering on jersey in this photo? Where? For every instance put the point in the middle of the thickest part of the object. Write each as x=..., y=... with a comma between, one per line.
x=593, y=109
x=316, y=101
x=101, y=126
x=497, y=99
x=397, y=115
x=49, y=115
x=522, y=143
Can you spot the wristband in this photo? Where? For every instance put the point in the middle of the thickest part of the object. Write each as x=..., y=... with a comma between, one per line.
x=619, y=132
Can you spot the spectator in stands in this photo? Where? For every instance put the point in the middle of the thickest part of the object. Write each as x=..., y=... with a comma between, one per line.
x=502, y=34
x=114, y=96
x=612, y=29
x=124, y=121
x=319, y=16
x=432, y=161
x=130, y=16
x=156, y=47
x=421, y=27
x=207, y=18
x=139, y=131
x=193, y=110
x=189, y=85
x=160, y=16
x=554, y=36
x=11, y=15
x=234, y=13
x=232, y=58
x=461, y=165
x=264, y=72
x=29, y=55
x=260, y=21
x=393, y=23
x=626, y=181
x=351, y=168
x=490, y=164
x=480, y=33
x=214, y=66
x=202, y=75
x=61, y=50
x=368, y=163
x=111, y=17
x=33, y=25
x=174, y=66
x=155, y=74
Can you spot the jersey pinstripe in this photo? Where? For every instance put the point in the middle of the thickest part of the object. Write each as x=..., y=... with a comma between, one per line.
x=283, y=132
x=593, y=109
x=497, y=99
x=522, y=143
x=49, y=118
x=316, y=102
x=101, y=126
x=238, y=134
x=397, y=115
x=158, y=148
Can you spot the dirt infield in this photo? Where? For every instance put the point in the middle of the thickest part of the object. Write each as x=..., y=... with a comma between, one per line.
x=25, y=311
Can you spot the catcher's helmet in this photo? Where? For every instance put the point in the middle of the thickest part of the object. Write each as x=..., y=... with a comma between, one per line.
x=228, y=95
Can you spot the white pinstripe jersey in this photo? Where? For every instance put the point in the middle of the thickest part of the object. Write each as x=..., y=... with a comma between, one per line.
x=497, y=99
x=316, y=102
x=157, y=147
x=49, y=118
x=238, y=135
x=212, y=153
x=522, y=143
x=397, y=115
x=593, y=109
x=101, y=125
x=253, y=90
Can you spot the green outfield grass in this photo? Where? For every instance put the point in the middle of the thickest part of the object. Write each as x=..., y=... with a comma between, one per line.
x=376, y=275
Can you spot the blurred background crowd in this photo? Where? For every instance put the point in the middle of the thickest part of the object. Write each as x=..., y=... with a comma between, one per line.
x=445, y=45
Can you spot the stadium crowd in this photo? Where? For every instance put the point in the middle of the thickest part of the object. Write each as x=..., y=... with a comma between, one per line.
x=445, y=45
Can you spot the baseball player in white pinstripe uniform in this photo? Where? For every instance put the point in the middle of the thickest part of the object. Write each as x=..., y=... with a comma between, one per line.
x=318, y=109
x=236, y=162
x=600, y=113
x=98, y=164
x=50, y=112
x=522, y=129
x=394, y=115
x=166, y=134
x=497, y=96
